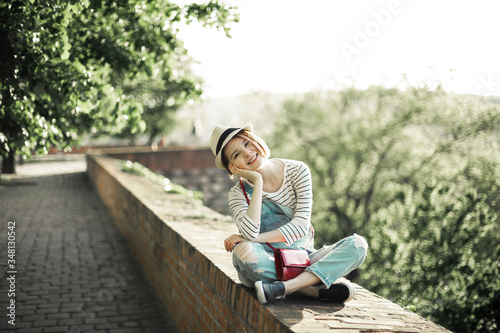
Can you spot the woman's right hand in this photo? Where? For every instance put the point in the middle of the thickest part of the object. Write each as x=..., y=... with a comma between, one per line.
x=255, y=206
x=250, y=175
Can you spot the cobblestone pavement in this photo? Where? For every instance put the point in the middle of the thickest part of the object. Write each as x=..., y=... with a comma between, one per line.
x=73, y=270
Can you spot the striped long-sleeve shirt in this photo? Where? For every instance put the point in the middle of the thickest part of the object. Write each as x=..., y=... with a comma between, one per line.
x=295, y=193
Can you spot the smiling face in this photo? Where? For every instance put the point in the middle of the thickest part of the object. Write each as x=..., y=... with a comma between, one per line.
x=244, y=153
x=246, y=150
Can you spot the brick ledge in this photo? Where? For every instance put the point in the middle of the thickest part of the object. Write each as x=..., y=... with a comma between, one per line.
x=179, y=244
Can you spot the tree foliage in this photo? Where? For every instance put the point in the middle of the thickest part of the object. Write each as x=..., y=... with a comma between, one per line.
x=67, y=67
x=417, y=172
x=441, y=256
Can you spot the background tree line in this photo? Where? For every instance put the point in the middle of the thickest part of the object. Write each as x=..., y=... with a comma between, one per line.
x=417, y=172
x=94, y=66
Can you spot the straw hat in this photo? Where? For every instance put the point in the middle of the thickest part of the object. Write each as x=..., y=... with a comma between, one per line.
x=221, y=136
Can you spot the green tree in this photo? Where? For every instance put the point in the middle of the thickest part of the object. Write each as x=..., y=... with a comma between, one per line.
x=362, y=145
x=68, y=67
x=416, y=172
x=442, y=256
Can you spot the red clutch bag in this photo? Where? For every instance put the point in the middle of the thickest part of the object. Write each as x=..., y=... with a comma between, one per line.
x=290, y=263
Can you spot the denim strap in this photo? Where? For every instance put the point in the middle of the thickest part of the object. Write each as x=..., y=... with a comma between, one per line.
x=248, y=202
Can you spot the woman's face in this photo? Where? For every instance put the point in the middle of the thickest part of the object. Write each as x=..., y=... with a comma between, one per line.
x=243, y=153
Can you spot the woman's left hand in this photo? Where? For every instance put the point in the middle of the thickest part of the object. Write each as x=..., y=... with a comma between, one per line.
x=232, y=240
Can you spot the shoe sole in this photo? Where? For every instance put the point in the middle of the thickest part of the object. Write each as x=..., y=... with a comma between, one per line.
x=351, y=291
x=260, y=292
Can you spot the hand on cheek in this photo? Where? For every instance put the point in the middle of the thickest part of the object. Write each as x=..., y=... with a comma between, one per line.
x=234, y=169
x=251, y=175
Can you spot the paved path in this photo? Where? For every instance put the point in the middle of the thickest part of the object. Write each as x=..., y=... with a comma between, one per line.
x=73, y=271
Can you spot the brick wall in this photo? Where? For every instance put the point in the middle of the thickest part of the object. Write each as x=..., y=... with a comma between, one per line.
x=179, y=244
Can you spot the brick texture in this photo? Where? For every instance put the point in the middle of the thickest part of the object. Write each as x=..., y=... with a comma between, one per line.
x=75, y=271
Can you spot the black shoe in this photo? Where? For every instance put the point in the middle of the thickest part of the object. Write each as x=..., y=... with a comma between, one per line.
x=269, y=291
x=338, y=293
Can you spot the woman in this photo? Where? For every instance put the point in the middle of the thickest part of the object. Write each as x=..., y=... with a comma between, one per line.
x=272, y=204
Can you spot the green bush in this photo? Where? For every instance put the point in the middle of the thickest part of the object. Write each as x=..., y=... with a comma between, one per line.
x=137, y=168
x=442, y=256
x=417, y=172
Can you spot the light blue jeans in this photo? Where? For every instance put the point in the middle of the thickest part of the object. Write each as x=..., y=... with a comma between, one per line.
x=255, y=261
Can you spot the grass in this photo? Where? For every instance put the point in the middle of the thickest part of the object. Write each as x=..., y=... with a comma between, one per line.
x=169, y=187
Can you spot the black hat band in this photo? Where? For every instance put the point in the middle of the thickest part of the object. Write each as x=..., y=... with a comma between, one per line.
x=223, y=138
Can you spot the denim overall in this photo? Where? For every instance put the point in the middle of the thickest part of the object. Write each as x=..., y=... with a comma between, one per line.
x=255, y=261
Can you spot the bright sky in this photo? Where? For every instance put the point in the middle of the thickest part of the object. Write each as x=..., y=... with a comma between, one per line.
x=301, y=45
